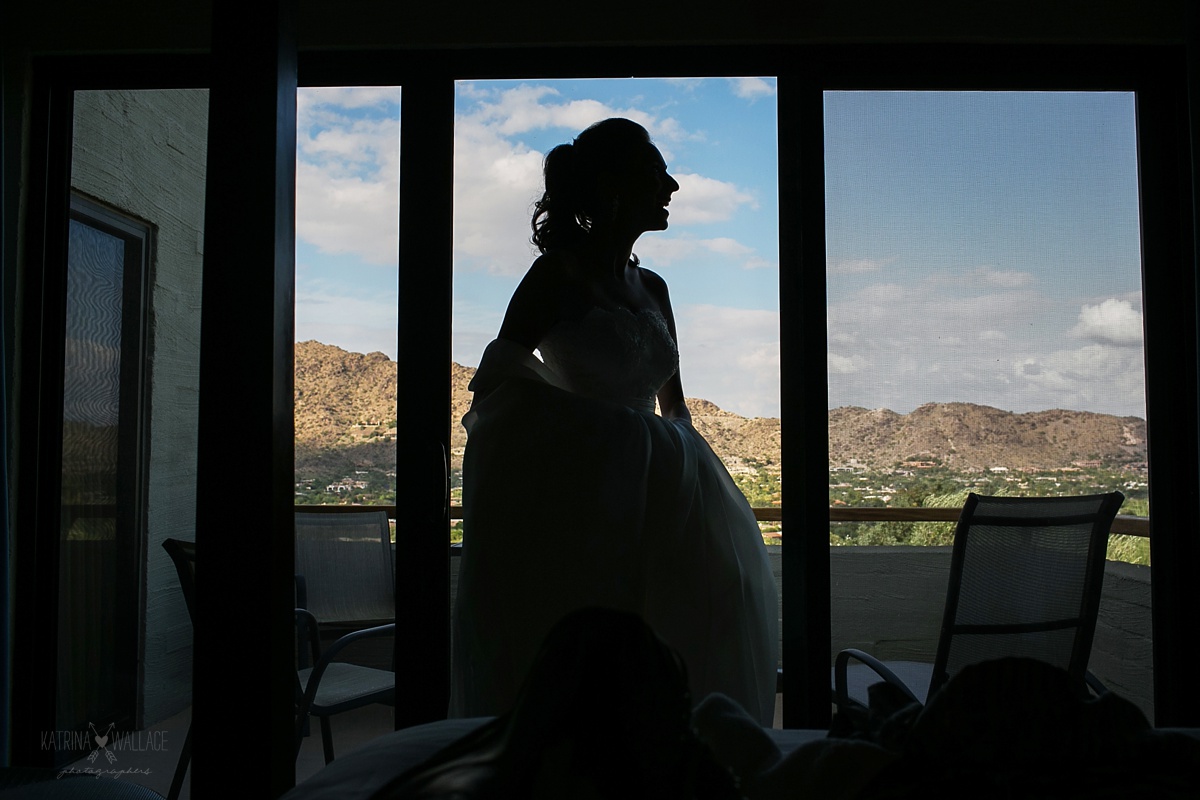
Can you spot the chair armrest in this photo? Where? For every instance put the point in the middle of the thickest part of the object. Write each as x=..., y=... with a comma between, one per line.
x=307, y=622
x=350, y=638
x=841, y=688
x=305, y=637
x=1094, y=683
x=314, y=678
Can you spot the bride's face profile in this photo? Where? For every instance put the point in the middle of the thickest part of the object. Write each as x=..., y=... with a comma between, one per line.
x=646, y=191
x=610, y=182
x=643, y=191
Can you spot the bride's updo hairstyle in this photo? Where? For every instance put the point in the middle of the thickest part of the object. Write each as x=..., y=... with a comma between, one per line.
x=579, y=182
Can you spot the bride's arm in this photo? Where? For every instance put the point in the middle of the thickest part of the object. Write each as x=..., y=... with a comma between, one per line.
x=537, y=304
x=671, y=402
x=670, y=397
x=535, y=307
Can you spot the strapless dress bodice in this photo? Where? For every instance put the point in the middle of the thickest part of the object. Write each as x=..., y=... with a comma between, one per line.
x=613, y=354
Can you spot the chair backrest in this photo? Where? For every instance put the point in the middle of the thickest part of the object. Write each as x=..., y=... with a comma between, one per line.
x=1025, y=580
x=183, y=555
x=346, y=562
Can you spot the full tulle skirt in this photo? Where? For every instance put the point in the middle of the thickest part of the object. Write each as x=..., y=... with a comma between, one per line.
x=573, y=502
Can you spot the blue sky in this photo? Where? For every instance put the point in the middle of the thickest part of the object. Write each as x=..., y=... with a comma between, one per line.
x=981, y=247
x=984, y=247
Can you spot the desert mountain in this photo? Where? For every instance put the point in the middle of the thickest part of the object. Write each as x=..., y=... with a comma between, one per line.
x=968, y=436
x=346, y=418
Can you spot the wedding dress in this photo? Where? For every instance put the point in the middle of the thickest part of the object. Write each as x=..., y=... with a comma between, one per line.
x=576, y=494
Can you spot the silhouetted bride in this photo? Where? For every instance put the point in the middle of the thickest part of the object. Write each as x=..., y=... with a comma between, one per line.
x=576, y=493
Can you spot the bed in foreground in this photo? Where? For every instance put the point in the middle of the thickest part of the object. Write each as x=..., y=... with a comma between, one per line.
x=605, y=713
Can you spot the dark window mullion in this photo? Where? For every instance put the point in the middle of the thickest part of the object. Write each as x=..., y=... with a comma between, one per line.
x=1172, y=322
x=423, y=400
x=245, y=586
x=803, y=393
x=39, y=414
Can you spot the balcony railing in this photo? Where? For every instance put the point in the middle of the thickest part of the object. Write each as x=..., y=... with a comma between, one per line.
x=889, y=599
x=1124, y=525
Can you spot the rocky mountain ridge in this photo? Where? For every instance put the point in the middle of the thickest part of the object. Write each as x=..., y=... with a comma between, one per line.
x=346, y=408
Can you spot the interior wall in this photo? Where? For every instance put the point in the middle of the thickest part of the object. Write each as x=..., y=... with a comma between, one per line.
x=144, y=153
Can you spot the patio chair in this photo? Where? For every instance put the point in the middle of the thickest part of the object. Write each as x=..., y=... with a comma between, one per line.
x=183, y=556
x=344, y=581
x=344, y=568
x=1025, y=579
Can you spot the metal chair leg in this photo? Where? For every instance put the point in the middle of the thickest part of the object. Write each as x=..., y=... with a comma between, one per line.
x=185, y=756
x=327, y=738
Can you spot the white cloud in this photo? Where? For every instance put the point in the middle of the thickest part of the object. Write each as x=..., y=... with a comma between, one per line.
x=1002, y=279
x=311, y=98
x=702, y=200
x=841, y=365
x=661, y=251
x=528, y=107
x=755, y=262
x=857, y=266
x=664, y=250
x=898, y=346
x=728, y=247
x=752, y=88
x=495, y=186
x=685, y=84
x=1095, y=377
x=348, y=214
x=348, y=176
x=359, y=324
x=497, y=180
x=731, y=357
x=347, y=173
x=526, y=113
x=1114, y=322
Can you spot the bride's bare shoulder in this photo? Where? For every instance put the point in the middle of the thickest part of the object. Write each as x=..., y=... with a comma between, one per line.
x=549, y=280
x=541, y=299
x=656, y=287
x=652, y=281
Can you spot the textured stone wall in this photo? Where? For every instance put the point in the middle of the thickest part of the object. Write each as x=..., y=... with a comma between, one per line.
x=144, y=153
